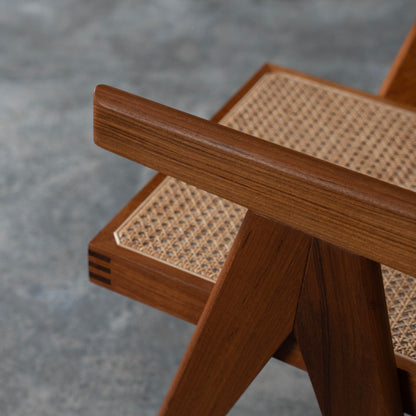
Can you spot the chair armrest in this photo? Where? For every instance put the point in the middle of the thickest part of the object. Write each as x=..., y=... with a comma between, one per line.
x=356, y=212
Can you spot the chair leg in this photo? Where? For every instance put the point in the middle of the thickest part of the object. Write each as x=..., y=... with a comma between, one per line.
x=343, y=332
x=400, y=83
x=250, y=312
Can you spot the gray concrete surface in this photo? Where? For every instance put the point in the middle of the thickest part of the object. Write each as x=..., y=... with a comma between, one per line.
x=68, y=347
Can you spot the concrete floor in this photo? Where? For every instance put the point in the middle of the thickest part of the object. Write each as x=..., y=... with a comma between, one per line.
x=69, y=347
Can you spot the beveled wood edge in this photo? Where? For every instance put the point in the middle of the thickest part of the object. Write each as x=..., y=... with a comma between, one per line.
x=210, y=156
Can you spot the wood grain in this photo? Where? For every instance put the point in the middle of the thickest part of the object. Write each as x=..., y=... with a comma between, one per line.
x=145, y=279
x=343, y=332
x=400, y=83
x=406, y=368
x=351, y=210
x=249, y=314
x=185, y=296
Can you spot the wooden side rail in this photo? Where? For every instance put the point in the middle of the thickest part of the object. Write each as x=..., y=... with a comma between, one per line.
x=364, y=215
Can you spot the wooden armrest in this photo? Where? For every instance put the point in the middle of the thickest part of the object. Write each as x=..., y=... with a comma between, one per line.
x=359, y=213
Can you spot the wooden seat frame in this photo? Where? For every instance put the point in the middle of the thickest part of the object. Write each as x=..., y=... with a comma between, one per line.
x=295, y=285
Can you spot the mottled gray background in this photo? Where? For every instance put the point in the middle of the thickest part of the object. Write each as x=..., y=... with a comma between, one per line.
x=68, y=347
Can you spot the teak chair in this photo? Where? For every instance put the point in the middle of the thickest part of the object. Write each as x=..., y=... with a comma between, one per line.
x=319, y=188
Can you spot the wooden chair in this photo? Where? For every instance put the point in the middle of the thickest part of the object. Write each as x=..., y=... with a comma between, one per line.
x=319, y=184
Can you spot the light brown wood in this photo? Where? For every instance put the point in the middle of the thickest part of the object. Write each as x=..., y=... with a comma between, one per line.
x=249, y=314
x=400, y=83
x=346, y=208
x=343, y=332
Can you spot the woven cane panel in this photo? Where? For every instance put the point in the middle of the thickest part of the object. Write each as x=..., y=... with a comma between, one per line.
x=193, y=230
x=183, y=226
x=344, y=128
x=401, y=302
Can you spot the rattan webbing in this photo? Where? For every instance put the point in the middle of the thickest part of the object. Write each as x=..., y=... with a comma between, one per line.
x=193, y=230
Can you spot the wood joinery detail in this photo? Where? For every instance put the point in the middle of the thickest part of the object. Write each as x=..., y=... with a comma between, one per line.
x=99, y=266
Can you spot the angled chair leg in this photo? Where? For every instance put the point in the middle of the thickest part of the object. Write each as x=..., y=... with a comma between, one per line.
x=343, y=331
x=250, y=312
x=400, y=83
